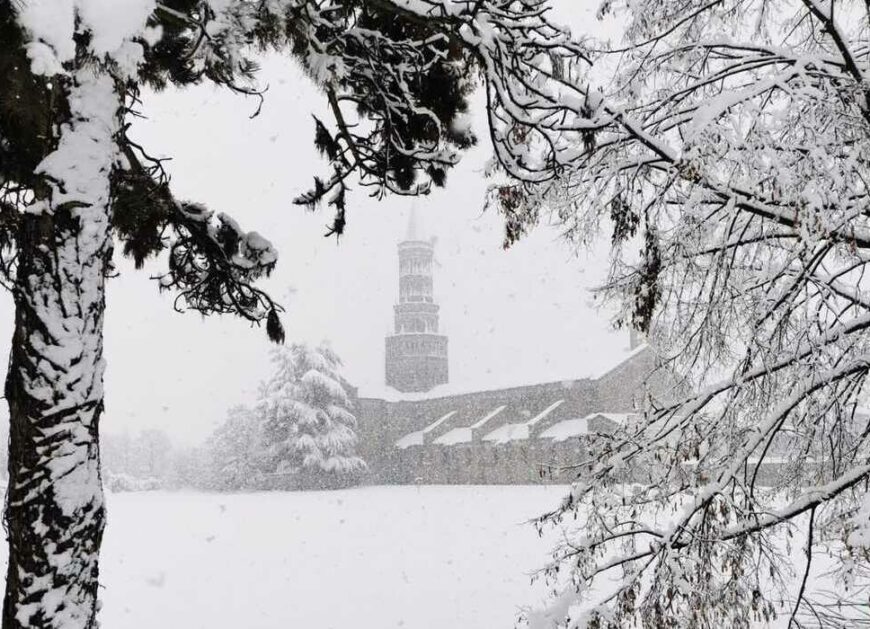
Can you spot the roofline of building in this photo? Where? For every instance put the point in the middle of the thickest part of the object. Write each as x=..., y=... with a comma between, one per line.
x=410, y=244
x=461, y=394
x=552, y=383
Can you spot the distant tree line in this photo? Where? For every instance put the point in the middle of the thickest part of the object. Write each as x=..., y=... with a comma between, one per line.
x=148, y=460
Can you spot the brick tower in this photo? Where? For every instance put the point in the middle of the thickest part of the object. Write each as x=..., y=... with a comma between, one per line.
x=416, y=357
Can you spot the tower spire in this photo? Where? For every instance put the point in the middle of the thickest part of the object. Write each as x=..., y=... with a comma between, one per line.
x=416, y=353
x=414, y=230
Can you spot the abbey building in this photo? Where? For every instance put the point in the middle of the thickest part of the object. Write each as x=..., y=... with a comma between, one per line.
x=428, y=430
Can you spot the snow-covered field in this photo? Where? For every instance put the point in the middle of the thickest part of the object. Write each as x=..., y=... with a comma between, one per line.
x=427, y=557
x=369, y=558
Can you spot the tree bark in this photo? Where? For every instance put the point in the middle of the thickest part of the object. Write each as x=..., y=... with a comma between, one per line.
x=54, y=506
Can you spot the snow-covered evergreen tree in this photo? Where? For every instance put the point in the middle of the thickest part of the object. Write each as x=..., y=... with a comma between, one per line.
x=235, y=452
x=308, y=427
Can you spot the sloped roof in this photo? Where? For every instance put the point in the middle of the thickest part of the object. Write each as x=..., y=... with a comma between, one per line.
x=508, y=432
x=411, y=439
x=519, y=430
x=579, y=426
x=464, y=434
x=451, y=389
x=418, y=437
x=614, y=417
x=543, y=414
x=566, y=429
x=452, y=437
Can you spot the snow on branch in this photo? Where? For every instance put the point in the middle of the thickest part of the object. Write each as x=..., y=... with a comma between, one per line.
x=729, y=162
x=213, y=263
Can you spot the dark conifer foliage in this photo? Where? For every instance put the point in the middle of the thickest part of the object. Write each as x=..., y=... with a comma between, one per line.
x=26, y=102
x=397, y=89
x=405, y=80
x=213, y=263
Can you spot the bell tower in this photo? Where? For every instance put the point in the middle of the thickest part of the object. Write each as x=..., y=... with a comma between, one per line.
x=416, y=356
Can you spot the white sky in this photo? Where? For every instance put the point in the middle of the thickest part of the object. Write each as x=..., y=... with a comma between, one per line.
x=513, y=317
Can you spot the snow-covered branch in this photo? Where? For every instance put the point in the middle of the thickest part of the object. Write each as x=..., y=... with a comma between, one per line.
x=729, y=161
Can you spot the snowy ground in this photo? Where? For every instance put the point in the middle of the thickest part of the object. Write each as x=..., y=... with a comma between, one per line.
x=370, y=558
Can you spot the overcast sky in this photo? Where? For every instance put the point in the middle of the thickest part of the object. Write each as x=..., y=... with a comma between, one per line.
x=513, y=317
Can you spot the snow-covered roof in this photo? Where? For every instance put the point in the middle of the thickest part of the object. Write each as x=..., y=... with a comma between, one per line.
x=517, y=431
x=593, y=372
x=566, y=429
x=579, y=426
x=452, y=437
x=537, y=418
x=480, y=423
x=618, y=360
x=411, y=439
x=465, y=434
x=418, y=437
x=389, y=394
x=508, y=432
x=614, y=417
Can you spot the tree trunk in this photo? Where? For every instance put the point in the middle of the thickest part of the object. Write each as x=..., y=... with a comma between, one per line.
x=54, y=506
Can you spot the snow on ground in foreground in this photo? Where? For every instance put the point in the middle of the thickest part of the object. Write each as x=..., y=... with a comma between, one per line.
x=368, y=558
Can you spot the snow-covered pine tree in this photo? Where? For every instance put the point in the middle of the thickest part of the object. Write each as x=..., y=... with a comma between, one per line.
x=72, y=181
x=309, y=431
x=235, y=452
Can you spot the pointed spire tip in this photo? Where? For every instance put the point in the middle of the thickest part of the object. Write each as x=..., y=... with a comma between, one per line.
x=412, y=233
